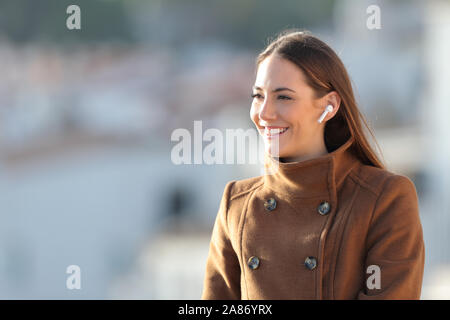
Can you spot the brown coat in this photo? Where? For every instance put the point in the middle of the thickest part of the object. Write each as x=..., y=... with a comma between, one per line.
x=371, y=218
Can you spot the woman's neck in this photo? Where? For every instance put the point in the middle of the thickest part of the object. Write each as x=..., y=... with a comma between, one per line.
x=318, y=150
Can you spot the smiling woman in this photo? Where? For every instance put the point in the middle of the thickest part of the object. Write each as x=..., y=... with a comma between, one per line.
x=297, y=77
x=331, y=222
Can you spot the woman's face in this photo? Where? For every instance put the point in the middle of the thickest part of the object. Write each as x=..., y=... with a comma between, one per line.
x=283, y=101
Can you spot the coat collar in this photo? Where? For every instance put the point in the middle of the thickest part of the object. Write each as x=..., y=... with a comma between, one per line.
x=318, y=177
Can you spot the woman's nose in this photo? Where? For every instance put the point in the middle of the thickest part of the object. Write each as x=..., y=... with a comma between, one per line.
x=267, y=111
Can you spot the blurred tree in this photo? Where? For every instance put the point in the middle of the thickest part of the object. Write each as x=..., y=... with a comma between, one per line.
x=45, y=20
x=175, y=23
x=244, y=23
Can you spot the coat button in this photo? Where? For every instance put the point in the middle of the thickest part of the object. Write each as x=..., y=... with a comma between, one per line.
x=270, y=204
x=310, y=263
x=324, y=208
x=253, y=262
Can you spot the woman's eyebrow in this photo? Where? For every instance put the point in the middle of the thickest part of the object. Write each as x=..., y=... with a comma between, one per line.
x=276, y=90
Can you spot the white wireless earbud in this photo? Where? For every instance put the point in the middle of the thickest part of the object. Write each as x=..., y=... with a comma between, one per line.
x=328, y=109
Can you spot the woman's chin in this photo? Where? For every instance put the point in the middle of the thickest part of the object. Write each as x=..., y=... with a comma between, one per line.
x=274, y=151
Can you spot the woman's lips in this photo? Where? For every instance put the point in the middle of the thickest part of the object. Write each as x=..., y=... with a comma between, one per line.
x=271, y=133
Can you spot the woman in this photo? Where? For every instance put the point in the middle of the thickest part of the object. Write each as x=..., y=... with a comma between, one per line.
x=331, y=222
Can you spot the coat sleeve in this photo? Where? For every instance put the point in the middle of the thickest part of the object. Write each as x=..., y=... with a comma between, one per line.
x=395, y=244
x=222, y=275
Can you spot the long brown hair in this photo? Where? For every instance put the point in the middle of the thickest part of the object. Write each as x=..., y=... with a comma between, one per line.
x=325, y=72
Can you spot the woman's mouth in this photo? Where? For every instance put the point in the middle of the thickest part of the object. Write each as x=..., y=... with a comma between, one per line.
x=271, y=132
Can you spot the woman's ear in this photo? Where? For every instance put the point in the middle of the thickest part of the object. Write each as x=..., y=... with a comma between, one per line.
x=334, y=99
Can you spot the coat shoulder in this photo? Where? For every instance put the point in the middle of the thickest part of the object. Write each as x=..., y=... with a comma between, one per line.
x=244, y=186
x=375, y=179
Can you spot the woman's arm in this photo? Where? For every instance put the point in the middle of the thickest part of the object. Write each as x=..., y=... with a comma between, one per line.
x=222, y=277
x=395, y=243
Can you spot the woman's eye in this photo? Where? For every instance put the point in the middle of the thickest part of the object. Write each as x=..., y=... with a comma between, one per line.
x=281, y=97
x=256, y=95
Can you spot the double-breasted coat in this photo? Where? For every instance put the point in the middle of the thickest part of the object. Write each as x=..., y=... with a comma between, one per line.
x=325, y=228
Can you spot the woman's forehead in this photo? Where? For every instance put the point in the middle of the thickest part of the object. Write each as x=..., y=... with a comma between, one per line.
x=274, y=72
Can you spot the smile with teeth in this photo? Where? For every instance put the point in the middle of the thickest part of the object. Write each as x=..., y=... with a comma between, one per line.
x=274, y=132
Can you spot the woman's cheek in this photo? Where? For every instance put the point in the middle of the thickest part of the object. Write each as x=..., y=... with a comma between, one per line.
x=253, y=112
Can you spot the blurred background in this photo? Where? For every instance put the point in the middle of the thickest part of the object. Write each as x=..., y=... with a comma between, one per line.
x=86, y=118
